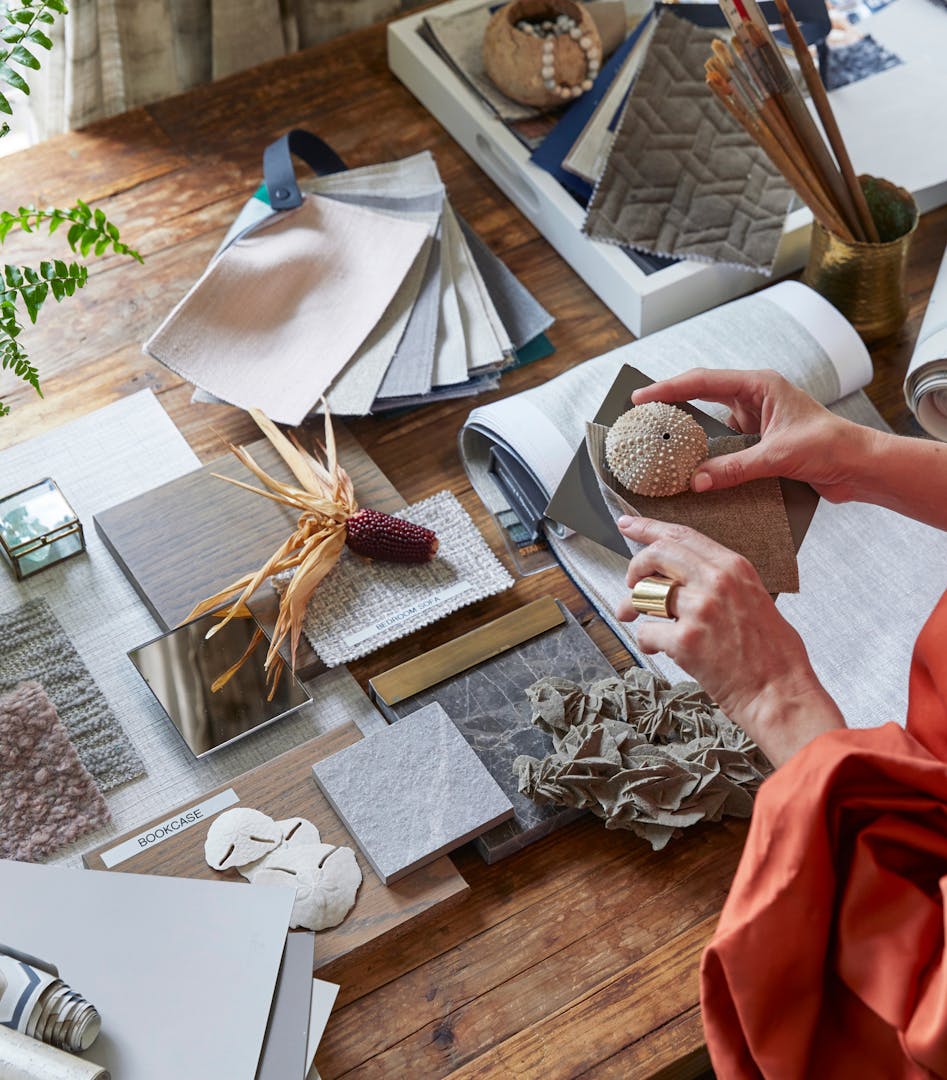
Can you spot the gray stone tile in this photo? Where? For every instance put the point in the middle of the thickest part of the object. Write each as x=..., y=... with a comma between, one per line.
x=411, y=793
x=489, y=706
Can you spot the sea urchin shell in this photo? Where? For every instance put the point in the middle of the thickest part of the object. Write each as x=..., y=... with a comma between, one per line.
x=653, y=449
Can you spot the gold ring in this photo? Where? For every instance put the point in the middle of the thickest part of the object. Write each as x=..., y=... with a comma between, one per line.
x=650, y=596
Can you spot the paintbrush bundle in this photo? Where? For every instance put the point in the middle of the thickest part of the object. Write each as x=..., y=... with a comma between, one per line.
x=370, y=292
x=754, y=83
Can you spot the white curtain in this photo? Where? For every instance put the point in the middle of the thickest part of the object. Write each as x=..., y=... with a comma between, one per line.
x=112, y=55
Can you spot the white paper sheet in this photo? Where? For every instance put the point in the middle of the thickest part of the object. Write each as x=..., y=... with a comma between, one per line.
x=182, y=971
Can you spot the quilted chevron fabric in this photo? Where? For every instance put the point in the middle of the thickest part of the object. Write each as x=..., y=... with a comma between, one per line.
x=683, y=178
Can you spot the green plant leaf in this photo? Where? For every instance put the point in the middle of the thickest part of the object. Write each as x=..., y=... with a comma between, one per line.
x=40, y=38
x=13, y=78
x=22, y=56
x=13, y=276
x=5, y=106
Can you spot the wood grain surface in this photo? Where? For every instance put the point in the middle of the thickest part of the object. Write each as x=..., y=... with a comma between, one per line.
x=186, y=540
x=578, y=956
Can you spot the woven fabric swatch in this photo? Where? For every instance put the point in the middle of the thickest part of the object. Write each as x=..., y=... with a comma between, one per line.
x=275, y=318
x=683, y=178
x=749, y=519
x=641, y=754
x=364, y=604
x=35, y=646
x=47, y=797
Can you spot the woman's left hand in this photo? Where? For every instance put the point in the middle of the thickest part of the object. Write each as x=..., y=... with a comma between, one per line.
x=727, y=634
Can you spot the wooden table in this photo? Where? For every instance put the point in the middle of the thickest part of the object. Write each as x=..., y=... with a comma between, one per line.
x=578, y=956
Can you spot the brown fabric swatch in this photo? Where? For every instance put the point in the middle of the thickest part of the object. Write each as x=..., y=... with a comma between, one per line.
x=683, y=178
x=750, y=519
x=640, y=754
x=47, y=797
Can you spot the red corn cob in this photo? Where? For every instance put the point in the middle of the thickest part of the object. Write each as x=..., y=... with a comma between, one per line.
x=381, y=536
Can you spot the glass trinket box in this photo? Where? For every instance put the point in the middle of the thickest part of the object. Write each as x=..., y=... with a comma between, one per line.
x=38, y=528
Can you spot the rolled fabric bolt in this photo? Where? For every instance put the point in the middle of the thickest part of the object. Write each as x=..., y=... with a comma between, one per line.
x=23, y=1058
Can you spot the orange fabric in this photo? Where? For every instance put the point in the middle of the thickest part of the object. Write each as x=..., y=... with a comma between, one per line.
x=829, y=958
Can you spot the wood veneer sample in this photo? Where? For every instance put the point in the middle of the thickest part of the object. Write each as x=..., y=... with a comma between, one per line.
x=187, y=539
x=284, y=788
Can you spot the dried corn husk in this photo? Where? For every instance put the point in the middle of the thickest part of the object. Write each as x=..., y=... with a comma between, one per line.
x=325, y=500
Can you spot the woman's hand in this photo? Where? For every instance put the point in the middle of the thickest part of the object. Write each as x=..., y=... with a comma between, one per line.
x=799, y=438
x=727, y=634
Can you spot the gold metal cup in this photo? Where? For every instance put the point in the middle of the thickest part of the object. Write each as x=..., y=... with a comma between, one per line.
x=866, y=282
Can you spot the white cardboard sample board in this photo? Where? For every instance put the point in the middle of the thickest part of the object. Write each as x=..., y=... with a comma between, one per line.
x=898, y=142
x=181, y=971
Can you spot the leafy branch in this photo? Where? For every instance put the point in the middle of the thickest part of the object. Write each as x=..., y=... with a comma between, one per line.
x=23, y=28
x=90, y=232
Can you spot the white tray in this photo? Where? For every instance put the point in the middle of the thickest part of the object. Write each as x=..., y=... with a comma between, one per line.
x=644, y=302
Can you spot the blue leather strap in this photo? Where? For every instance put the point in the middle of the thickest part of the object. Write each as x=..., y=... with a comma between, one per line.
x=279, y=175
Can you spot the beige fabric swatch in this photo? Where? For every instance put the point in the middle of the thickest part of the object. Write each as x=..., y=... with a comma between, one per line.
x=364, y=604
x=277, y=316
x=640, y=754
x=683, y=178
x=47, y=796
x=750, y=519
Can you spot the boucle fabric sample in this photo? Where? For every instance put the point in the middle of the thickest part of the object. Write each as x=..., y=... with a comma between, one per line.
x=364, y=604
x=683, y=178
x=47, y=797
x=36, y=647
x=641, y=754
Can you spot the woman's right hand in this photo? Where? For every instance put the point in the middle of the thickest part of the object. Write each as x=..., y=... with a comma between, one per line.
x=799, y=438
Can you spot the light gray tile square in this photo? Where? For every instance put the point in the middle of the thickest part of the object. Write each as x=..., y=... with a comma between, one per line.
x=412, y=792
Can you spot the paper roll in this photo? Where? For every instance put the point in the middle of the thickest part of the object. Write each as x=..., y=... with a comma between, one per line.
x=23, y=1058
x=925, y=386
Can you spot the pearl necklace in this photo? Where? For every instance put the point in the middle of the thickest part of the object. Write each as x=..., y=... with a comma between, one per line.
x=549, y=31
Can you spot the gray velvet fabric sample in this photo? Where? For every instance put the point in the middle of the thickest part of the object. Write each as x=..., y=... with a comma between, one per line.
x=520, y=312
x=489, y=706
x=750, y=519
x=411, y=793
x=641, y=754
x=683, y=178
x=35, y=646
x=363, y=604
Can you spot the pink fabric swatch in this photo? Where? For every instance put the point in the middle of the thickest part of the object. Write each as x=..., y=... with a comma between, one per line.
x=47, y=797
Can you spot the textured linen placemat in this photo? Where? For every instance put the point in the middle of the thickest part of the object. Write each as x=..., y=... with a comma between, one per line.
x=278, y=314
x=364, y=604
x=47, y=796
x=683, y=178
x=35, y=647
x=108, y=457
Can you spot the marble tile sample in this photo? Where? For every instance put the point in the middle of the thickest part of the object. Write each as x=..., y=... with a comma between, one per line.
x=489, y=706
x=411, y=793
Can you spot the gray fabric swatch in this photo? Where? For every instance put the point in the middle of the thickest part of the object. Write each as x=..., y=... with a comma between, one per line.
x=35, y=646
x=520, y=312
x=459, y=40
x=683, y=178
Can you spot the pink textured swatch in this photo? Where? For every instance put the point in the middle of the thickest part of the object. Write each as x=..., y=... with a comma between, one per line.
x=47, y=796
